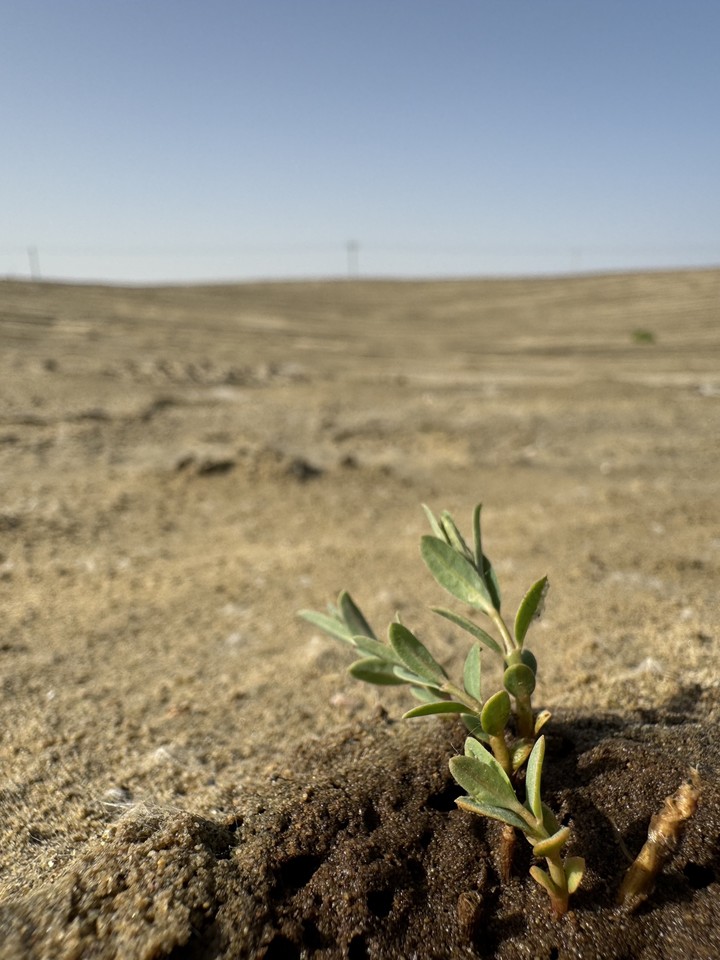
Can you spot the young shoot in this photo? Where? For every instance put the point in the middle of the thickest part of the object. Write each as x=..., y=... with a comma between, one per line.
x=504, y=727
x=490, y=793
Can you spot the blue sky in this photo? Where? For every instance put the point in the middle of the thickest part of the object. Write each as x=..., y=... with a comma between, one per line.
x=162, y=140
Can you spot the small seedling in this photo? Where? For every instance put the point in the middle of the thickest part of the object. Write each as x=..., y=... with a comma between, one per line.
x=505, y=740
x=643, y=336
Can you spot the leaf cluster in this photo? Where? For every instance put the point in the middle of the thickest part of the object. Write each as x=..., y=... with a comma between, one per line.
x=490, y=793
x=504, y=728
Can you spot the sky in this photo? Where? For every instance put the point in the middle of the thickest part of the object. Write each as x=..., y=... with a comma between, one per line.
x=183, y=140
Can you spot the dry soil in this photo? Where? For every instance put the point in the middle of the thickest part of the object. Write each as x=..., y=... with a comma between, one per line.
x=186, y=770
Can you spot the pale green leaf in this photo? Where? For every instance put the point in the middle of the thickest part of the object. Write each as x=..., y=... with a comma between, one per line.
x=530, y=608
x=454, y=537
x=482, y=564
x=373, y=670
x=424, y=694
x=495, y=714
x=477, y=537
x=543, y=878
x=528, y=658
x=484, y=782
x=574, y=870
x=491, y=581
x=472, y=675
x=415, y=654
x=550, y=821
x=492, y=811
x=519, y=680
x=407, y=676
x=541, y=719
x=474, y=749
x=533, y=778
x=552, y=845
x=331, y=625
x=434, y=523
x=455, y=574
x=519, y=753
x=353, y=617
x=474, y=727
x=477, y=751
x=375, y=648
x=438, y=706
x=471, y=628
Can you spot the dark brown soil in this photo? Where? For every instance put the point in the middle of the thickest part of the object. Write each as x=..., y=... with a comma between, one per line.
x=359, y=852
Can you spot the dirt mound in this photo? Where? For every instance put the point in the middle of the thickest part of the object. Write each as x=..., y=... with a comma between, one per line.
x=359, y=852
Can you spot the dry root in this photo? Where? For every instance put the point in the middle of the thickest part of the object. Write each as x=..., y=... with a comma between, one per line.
x=666, y=828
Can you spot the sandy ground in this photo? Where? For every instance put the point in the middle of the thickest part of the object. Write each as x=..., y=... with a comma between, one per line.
x=182, y=469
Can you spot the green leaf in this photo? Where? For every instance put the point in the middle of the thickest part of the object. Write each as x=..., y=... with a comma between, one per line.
x=494, y=812
x=455, y=538
x=533, y=777
x=407, y=676
x=495, y=714
x=353, y=617
x=415, y=654
x=472, y=675
x=373, y=670
x=332, y=625
x=484, y=782
x=550, y=821
x=530, y=608
x=482, y=564
x=471, y=628
x=519, y=753
x=434, y=524
x=543, y=878
x=574, y=870
x=455, y=574
x=519, y=680
x=476, y=751
x=541, y=719
x=474, y=727
x=477, y=537
x=529, y=660
x=438, y=706
x=424, y=694
x=552, y=845
x=491, y=581
x=375, y=648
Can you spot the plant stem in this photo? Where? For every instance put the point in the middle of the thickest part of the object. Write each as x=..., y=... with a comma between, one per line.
x=525, y=718
x=507, y=637
x=557, y=875
x=457, y=693
x=501, y=754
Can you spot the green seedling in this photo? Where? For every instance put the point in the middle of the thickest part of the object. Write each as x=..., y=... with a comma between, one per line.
x=505, y=741
x=492, y=794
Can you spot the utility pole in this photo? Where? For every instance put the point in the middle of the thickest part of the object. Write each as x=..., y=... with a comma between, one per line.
x=34, y=261
x=353, y=258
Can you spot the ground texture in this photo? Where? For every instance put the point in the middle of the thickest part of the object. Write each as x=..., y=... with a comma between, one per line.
x=186, y=770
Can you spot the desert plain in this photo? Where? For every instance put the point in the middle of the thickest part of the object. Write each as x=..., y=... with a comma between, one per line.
x=183, y=468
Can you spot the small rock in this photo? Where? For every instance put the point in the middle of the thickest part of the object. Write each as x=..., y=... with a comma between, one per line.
x=302, y=470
